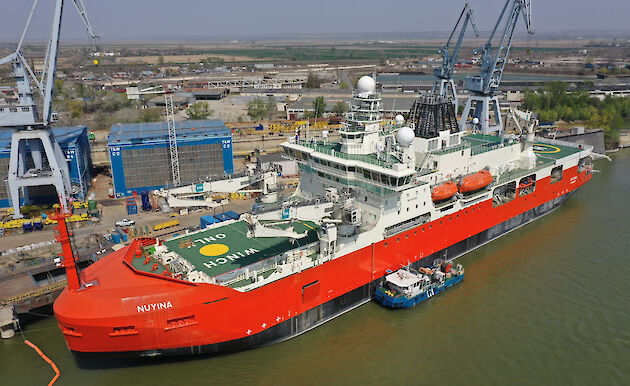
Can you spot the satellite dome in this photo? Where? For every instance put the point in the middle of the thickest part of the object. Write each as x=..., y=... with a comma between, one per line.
x=366, y=85
x=399, y=119
x=475, y=121
x=405, y=136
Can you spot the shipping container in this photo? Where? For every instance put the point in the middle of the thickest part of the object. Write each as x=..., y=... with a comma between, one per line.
x=207, y=220
x=233, y=214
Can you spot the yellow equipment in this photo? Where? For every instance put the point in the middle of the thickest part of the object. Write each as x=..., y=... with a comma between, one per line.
x=166, y=224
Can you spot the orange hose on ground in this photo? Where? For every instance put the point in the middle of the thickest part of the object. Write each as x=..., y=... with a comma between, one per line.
x=51, y=363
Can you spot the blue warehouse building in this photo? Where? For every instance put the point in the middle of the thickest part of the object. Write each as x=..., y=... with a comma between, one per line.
x=140, y=157
x=76, y=147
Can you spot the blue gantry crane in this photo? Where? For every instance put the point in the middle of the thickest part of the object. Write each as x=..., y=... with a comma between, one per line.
x=483, y=87
x=30, y=122
x=444, y=85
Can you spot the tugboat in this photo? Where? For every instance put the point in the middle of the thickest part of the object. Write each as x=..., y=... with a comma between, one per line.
x=406, y=287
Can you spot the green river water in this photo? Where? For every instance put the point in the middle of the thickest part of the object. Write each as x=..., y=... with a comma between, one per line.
x=546, y=304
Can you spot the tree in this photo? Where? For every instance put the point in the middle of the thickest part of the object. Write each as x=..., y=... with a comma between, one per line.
x=257, y=108
x=152, y=114
x=76, y=109
x=271, y=106
x=340, y=108
x=60, y=90
x=160, y=59
x=319, y=106
x=108, y=101
x=343, y=85
x=312, y=81
x=199, y=110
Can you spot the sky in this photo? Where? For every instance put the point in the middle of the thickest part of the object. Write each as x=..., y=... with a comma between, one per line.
x=218, y=20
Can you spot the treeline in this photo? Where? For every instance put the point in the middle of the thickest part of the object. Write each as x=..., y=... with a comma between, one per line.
x=76, y=102
x=554, y=102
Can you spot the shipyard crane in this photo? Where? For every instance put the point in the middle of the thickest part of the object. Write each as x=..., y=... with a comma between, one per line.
x=444, y=85
x=31, y=127
x=483, y=87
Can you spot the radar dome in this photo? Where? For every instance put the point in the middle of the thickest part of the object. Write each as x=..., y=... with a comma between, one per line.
x=366, y=85
x=399, y=119
x=405, y=136
x=475, y=121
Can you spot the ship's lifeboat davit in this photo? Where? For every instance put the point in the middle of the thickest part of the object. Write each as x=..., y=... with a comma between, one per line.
x=444, y=191
x=474, y=182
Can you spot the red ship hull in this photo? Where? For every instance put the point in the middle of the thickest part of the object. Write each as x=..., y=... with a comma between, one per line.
x=125, y=311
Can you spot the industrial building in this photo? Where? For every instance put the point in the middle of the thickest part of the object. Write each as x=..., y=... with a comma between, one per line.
x=76, y=147
x=392, y=104
x=140, y=157
x=284, y=165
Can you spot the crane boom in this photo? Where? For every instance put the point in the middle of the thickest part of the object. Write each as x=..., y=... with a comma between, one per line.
x=25, y=75
x=25, y=122
x=482, y=111
x=493, y=63
x=444, y=85
x=445, y=71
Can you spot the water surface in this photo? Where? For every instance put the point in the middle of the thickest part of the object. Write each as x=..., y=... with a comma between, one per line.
x=545, y=304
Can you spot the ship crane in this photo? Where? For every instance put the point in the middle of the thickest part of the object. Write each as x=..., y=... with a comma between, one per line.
x=256, y=229
x=444, y=85
x=483, y=87
x=29, y=125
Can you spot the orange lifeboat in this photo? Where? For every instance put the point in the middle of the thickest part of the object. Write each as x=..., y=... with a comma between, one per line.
x=444, y=191
x=476, y=181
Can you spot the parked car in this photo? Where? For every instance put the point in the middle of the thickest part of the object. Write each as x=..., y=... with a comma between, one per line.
x=125, y=222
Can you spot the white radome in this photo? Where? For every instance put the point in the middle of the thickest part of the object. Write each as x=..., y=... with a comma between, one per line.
x=405, y=136
x=366, y=85
x=325, y=134
x=399, y=119
x=475, y=121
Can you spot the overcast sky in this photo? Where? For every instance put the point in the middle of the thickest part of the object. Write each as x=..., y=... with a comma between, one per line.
x=183, y=19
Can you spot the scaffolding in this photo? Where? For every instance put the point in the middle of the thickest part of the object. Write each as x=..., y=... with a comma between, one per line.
x=172, y=139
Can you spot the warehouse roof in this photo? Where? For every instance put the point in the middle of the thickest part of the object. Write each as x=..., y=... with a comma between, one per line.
x=128, y=132
x=66, y=136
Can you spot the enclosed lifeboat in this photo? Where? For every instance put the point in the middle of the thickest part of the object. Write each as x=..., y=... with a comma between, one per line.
x=444, y=191
x=474, y=182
